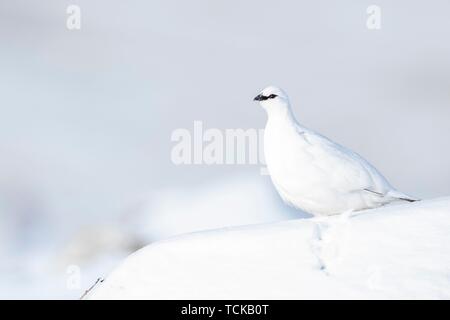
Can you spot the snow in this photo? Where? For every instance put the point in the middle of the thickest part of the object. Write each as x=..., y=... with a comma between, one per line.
x=393, y=252
x=43, y=266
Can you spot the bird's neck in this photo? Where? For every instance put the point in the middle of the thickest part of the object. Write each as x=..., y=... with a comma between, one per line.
x=280, y=114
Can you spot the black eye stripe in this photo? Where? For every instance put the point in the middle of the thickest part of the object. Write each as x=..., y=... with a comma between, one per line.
x=262, y=97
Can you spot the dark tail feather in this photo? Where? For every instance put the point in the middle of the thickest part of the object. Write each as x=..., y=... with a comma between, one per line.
x=409, y=200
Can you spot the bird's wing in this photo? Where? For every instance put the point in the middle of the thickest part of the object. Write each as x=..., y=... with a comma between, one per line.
x=346, y=170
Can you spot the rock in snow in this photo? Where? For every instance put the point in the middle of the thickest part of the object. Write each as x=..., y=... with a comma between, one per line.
x=400, y=251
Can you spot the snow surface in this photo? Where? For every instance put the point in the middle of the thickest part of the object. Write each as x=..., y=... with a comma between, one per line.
x=400, y=251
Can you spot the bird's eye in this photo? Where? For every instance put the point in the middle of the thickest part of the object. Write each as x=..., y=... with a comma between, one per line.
x=272, y=96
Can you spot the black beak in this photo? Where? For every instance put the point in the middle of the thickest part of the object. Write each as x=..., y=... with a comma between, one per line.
x=259, y=97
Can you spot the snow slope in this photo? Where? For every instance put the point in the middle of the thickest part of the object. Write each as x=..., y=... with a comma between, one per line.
x=400, y=251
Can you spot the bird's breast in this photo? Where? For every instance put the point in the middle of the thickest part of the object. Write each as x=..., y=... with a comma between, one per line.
x=286, y=155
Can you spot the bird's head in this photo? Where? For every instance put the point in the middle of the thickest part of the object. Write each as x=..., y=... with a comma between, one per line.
x=273, y=98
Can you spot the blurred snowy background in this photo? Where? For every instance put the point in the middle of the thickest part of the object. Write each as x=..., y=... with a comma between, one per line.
x=86, y=117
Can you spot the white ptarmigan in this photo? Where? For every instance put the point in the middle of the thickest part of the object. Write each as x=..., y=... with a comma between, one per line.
x=313, y=173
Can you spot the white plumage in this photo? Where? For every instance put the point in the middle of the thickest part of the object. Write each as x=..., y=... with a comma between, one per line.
x=313, y=173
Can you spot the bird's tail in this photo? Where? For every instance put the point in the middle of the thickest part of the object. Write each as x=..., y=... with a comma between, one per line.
x=408, y=199
x=401, y=196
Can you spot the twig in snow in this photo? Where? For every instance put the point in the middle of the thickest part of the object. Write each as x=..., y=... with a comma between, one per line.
x=99, y=280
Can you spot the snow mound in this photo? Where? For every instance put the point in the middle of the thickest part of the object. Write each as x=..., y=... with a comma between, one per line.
x=392, y=252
